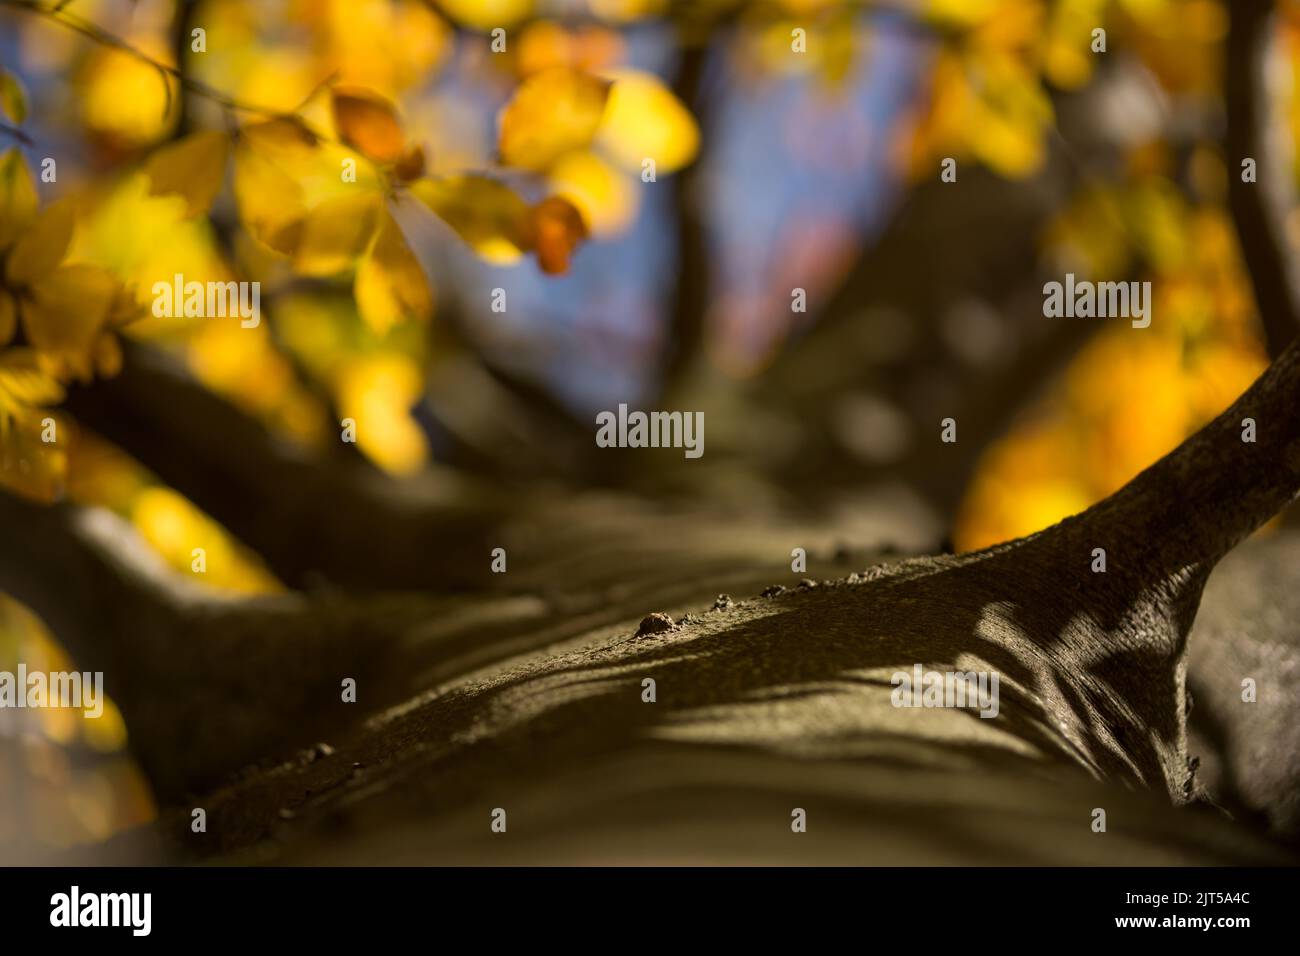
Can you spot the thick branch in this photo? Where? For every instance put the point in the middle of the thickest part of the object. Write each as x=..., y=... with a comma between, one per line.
x=1259, y=208
x=207, y=683
x=1090, y=664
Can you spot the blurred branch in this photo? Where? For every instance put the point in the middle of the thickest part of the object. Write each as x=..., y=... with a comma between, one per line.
x=54, y=563
x=1259, y=209
x=208, y=683
x=16, y=133
x=312, y=519
x=933, y=257
x=684, y=337
x=182, y=24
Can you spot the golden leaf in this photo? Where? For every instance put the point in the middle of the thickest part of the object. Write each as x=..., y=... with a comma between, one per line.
x=281, y=135
x=65, y=310
x=270, y=201
x=644, y=120
x=18, y=201
x=24, y=382
x=380, y=390
x=484, y=212
x=40, y=250
x=335, y=233
x=604, y=195
x=13, y=98
x=192, y=168
x=29, y=466
x=390, y=286
x=486, y=14
x=551, y=113
x=368, y=122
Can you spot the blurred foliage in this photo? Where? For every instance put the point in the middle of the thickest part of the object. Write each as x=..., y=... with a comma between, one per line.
x=64, y=775
x=1085, y=440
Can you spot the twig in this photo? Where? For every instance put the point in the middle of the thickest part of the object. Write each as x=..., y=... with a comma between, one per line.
x=16, y=133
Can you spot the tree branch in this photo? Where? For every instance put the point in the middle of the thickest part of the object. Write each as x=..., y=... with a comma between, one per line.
x=1259, y=208
x=207, y=683
x=684, y=334
x=312, y=520
x=1091, y=665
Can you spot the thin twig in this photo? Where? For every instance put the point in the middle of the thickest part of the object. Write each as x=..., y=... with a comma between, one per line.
x=16, y=133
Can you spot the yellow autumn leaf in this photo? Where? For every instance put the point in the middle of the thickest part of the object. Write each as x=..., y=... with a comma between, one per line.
x=64, y=311
x=385, y=44
x=30, y=467
x=390, y=286
x=13, y=97
x=270, y=201
x=368, y=123
x=283, y=173
x=141, y=239
x=551, y=113
x=1008, y=118
x=282, y=137
x=40, y=250
x=624, y=11
x=645, y=119
x=192, y=168
x=335, y=233
x=24, y=382
x=487, y=14
x=487, y=214
x=606, y=196
x=380, y=391
x=18, y=200
x=172, y=525
x=960, y=13
x=125, y=98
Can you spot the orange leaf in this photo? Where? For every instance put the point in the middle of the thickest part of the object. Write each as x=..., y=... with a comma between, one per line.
x=555, y=227
x=368, y=123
